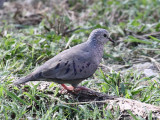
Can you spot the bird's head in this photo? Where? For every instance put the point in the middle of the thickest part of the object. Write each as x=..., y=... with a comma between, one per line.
x=100, y=36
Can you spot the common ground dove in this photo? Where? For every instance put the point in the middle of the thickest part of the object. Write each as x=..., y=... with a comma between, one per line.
x=72, y=65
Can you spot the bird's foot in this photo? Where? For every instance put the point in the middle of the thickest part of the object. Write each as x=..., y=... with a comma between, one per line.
x=71, y=89
x=68, y=88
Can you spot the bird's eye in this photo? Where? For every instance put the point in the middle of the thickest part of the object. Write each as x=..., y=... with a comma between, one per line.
x=105, y=35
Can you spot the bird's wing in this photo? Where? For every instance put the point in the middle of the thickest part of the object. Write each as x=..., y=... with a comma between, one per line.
x=69, y=66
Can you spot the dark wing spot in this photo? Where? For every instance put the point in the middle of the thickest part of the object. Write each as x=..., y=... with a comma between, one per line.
x=57, y=66
x=80, y=70
x=88, y=64
x=38, y=75
x=67, y=70
x=82, y=67
x=69, y=65
x=59, y=60
x=74, y=67
x=66, y=63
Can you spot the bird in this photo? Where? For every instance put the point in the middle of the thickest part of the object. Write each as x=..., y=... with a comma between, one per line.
x=72, y=65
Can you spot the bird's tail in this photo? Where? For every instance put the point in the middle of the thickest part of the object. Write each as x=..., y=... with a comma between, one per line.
x=24, y=80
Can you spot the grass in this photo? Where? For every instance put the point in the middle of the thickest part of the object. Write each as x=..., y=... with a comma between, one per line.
x=22, y=50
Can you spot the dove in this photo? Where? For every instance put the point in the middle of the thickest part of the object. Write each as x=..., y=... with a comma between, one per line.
x=73, y=65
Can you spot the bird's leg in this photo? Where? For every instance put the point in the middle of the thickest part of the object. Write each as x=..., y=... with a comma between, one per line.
x=68, y=88
x=72, y=89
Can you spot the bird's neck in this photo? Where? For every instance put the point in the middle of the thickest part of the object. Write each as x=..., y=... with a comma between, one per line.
x=97, y=49
x=99, y=52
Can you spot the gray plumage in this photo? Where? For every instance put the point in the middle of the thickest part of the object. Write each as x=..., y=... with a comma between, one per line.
x=72, y=65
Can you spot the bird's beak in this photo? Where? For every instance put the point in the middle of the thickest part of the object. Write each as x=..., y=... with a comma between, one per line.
x=110, y=39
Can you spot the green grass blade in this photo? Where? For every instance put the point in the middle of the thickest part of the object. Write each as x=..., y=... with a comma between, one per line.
x=31, y=97
x=13, y=96
x=133, y=39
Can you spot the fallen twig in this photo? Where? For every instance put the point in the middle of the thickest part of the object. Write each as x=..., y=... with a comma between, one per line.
x=136, y=107
x=151, y=34
x=100, y=99
x=149, y=49
x=70, y=31
x=157, y=64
